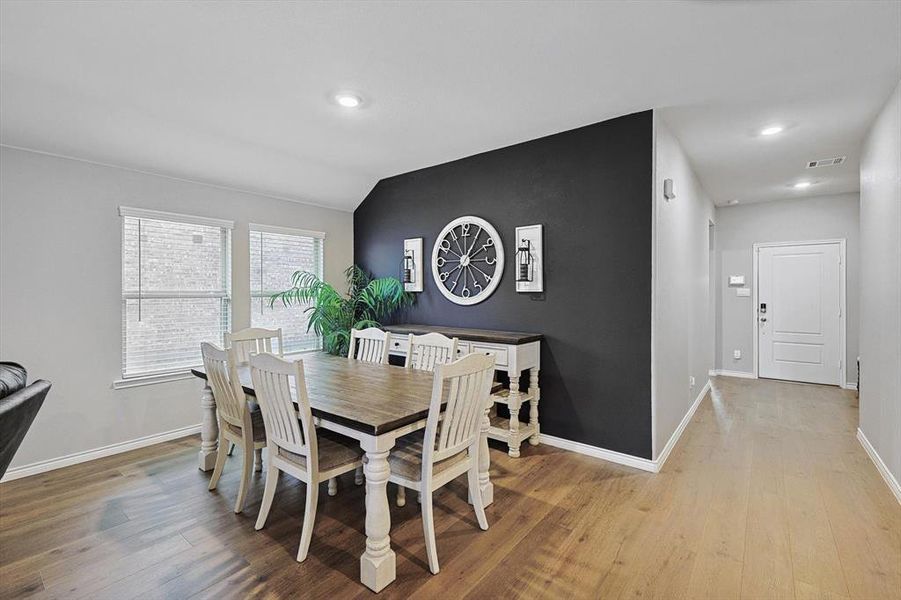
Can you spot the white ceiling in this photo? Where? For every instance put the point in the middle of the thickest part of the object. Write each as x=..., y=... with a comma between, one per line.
x=239, y=94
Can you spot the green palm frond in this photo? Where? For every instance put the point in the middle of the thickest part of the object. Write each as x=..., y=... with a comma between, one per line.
x=332, y=316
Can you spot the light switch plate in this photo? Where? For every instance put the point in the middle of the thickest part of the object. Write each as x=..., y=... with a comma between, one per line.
x=736, y=354
x=743, y=292
x=736, y=279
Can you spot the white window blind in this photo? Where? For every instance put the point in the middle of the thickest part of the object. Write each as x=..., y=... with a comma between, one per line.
x=175, y=289
x=276, y=253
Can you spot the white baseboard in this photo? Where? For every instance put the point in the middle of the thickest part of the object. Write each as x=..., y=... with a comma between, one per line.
x=80, y=457
x=725, y=373
x=850, y=385
x=682, y=425
x=628, y=460
x=880, y=466
x=609, y=455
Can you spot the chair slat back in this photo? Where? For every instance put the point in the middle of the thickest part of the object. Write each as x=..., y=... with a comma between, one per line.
x=254, y=340
x=279, y=384
x=425, y=352
x=465, y=385
x=222, y=375
x=368, y=345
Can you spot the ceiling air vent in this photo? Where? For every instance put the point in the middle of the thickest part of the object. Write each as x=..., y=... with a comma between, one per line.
x=826, y=162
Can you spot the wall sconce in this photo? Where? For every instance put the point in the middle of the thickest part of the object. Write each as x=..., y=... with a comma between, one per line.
x=408, y=267
x=411, y=265
x=530, y=259
x=524, y=262
x=668, y=192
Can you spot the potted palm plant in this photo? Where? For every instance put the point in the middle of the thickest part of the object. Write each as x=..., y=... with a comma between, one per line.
x=332, y=315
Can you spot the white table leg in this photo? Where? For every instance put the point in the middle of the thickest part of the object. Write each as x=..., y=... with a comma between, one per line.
x=209, y=430
x=513, y=404
x=535, y=391
x=485, y=485
x=377, y=565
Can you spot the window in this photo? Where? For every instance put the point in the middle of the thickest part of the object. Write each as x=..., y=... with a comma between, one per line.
x=276, y=253
x=175, y=289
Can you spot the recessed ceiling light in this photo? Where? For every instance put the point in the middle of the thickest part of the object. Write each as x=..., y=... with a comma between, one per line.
x=801, y=185
x=733, y=202
x=348, y=100
x=772, y=130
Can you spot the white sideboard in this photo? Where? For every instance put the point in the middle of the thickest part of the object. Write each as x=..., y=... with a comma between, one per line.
x=515, y=353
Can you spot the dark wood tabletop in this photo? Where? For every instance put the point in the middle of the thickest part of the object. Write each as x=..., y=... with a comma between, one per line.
x=474, y=335
x=374, y=399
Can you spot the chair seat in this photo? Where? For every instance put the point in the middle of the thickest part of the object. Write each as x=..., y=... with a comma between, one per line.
x=406, y=458
x=256, y=421
x=335, y=450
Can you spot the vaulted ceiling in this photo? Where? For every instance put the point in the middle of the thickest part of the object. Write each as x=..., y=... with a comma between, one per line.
x=242, y=94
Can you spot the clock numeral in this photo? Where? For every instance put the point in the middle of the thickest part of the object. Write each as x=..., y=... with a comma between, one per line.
x=440, y=262
x=490, y=261
x=444, y=276
x=466, y=293
x=453, y=234
x=444, y=246
x=465, y=228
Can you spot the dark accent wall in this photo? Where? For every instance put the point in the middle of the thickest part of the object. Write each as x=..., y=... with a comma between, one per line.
x=591, y=188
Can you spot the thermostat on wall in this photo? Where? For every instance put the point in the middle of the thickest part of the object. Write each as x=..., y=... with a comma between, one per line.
x=736, y=279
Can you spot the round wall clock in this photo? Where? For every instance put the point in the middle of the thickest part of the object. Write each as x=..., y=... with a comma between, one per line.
x=468, y=260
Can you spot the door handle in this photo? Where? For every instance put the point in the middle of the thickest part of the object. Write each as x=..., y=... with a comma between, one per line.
x=763, y=319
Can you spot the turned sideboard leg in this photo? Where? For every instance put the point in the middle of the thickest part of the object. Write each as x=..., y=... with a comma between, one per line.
x=209, y=430
x=513, y=404
x=535, y=391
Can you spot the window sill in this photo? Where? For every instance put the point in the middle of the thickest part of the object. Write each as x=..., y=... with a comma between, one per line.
x=131, y=382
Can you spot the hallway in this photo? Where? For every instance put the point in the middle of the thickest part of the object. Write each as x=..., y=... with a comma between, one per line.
x=796, y=505
x=767, y=495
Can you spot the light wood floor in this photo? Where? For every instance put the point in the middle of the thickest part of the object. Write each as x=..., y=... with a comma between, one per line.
x=767, y=495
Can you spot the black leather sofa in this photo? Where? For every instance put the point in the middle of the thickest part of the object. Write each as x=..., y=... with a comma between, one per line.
x=19, y=404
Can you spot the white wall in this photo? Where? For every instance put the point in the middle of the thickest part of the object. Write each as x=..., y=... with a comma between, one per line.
x=60, y=294
x=682, y=344
x=740, y=227
x=880, y=285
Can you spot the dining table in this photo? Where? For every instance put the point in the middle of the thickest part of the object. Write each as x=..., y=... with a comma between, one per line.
x=374, y=404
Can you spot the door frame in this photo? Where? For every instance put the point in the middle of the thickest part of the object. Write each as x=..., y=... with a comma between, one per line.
x=842, y=293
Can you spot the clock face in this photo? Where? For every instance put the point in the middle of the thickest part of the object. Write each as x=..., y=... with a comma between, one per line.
x=468, y=260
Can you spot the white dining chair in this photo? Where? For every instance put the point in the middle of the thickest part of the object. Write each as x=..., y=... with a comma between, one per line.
x=427, y=460
x=292, y=440
x=254, y=340
x=425, y=352
x=238, y=424
x=368, y=345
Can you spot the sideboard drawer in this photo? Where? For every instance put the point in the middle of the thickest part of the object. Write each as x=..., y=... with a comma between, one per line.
x=398, y=344
x=462, y=349
x=499, y=352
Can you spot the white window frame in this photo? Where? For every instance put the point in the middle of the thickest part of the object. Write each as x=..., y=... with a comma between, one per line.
x=141, y=213
x=277, y=229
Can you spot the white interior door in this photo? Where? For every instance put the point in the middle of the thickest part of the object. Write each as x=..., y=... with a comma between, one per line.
x=799, y=312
